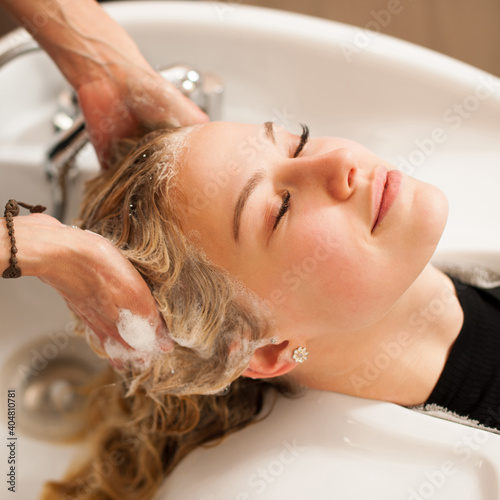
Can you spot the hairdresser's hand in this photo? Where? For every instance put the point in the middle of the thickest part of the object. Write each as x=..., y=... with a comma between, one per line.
x=133, y=100
x=119, y=92
x=91, y=274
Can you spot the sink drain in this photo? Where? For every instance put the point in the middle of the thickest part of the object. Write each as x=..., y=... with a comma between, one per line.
x=53, y=378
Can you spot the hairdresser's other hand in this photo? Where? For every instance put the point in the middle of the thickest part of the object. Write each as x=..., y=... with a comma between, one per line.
x=119, y=92
x=133, y=100
x=90, y=273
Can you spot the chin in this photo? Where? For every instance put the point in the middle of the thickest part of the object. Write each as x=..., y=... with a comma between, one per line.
x=432, y=208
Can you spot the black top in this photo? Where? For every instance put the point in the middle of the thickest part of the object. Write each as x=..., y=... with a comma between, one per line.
x=470, y=382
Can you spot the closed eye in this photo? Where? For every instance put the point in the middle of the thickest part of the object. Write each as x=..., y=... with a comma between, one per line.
x=303, y=140
x=283, y=209
x=304, y=137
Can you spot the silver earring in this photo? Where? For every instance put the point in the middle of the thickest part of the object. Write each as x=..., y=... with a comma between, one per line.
x=272, y=340
x=300, y=354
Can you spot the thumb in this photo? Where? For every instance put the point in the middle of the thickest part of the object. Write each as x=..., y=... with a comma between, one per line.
x=165, y=105
x=165, y=342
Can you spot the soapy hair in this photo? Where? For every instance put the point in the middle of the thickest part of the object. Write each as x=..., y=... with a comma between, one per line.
x=146, y=419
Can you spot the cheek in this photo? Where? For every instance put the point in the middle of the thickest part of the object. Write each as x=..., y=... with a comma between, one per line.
x=347, y=284
x=328, y=271
x=344, y=280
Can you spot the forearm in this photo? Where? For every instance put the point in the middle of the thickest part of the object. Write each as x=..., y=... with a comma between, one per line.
x=80, y=37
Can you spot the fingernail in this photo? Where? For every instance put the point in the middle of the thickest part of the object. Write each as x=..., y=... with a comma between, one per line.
x=165, y=343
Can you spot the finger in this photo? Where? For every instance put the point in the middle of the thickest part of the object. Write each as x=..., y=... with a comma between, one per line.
x=163, y=103
x=100, y=328
x=116, y=363
x=106, y=116
x=188, y=112
x=165, y=341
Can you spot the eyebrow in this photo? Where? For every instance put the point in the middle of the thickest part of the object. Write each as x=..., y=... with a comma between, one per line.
x=250, y=186
x=247, y=190
x=270, y=132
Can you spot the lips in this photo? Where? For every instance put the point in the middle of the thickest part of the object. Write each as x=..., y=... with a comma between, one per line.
x=385, y=190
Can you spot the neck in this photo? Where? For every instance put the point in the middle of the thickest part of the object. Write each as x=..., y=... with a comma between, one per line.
x=397, y=359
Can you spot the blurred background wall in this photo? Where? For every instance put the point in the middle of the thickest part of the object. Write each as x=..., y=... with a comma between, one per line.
x=468, y=30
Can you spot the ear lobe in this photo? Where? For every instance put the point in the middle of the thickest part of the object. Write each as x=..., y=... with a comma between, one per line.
x=270, y=361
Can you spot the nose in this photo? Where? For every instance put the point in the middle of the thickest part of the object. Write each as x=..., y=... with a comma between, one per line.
x=334, y=172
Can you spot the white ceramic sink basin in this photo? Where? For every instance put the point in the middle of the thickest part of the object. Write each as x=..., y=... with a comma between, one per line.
x=434, y=117
x=329, y=446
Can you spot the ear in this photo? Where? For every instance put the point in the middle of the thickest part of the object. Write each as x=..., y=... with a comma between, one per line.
x=270, y=360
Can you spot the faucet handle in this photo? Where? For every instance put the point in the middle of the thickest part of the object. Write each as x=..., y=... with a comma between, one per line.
x=204, y=89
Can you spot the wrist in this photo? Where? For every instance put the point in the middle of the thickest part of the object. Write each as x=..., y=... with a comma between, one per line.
x=5, y=246
x=37, y=240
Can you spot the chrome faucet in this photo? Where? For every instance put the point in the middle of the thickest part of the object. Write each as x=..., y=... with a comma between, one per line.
x=16, y=43
x=204, y=89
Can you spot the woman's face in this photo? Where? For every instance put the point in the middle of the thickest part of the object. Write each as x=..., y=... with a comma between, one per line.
x=325, y=267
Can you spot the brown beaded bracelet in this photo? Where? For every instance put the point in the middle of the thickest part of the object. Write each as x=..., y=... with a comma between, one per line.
x=11, y=210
